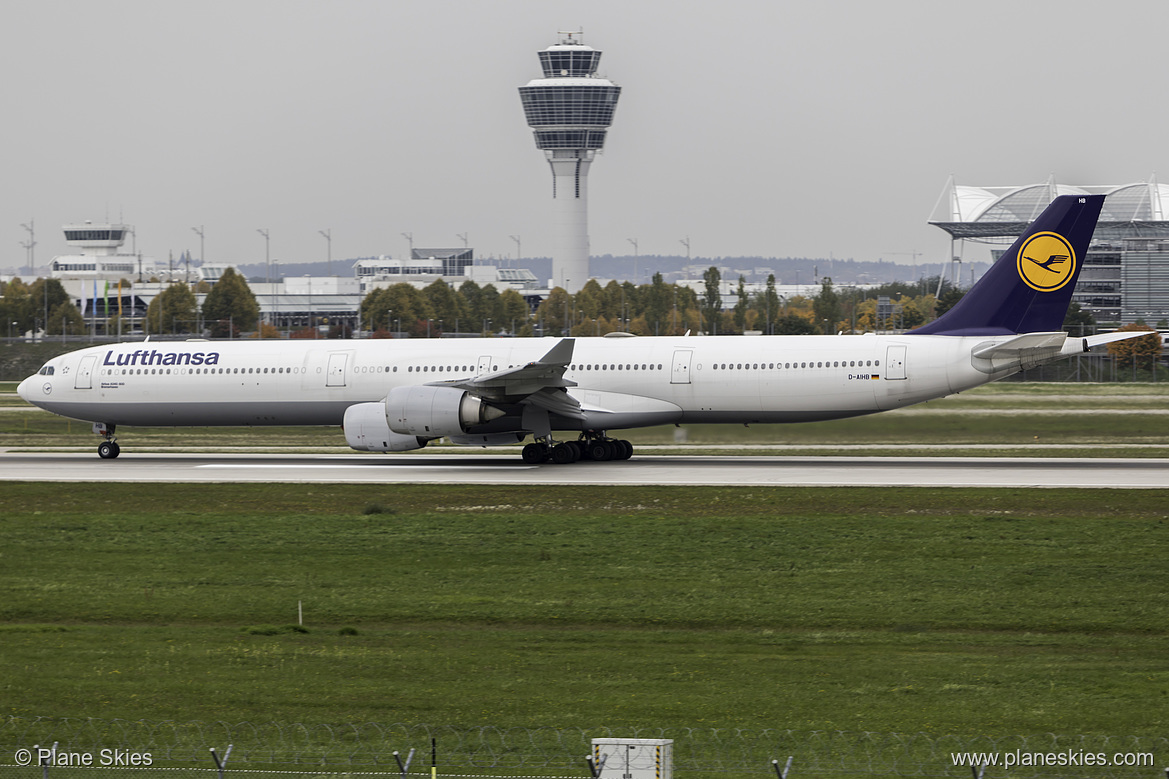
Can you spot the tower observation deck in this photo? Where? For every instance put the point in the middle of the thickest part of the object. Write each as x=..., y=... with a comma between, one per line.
x=570, y=110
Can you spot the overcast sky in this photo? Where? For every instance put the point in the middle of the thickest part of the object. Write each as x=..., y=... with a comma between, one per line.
x=753, y=127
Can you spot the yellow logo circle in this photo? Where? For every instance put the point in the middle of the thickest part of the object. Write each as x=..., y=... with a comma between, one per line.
x=1046, y=262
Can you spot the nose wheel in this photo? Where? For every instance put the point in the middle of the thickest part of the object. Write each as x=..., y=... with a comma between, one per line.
x=107, y=449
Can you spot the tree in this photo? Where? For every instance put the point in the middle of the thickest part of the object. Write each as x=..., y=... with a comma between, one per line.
x=826, y=307
x=65, y=319
x=740, y=317
x=230, y=307
x=16, y=306
x=713, y=300
x=44, y=296
x=658, y=303
x=488, y=312
x=446, y=305
x=793, y=324
x=590, y=301
x=767, y=304
x=513, y=310
x=948, y=300
x=552, y=311
x=1142, y=353
x=171, y=311
x=397, y=305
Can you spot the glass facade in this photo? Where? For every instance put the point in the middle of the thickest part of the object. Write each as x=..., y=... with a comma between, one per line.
x=94, y=235
x=569, y=62
x=570, y=105
x=570, y=139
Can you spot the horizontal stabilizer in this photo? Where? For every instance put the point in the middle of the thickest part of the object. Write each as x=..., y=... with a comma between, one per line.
x=1021, y=344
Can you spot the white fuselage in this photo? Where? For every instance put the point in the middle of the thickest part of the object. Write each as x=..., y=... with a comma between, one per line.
x=620, y=382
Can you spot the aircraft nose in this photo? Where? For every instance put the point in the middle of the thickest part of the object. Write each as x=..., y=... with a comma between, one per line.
x=25, y=389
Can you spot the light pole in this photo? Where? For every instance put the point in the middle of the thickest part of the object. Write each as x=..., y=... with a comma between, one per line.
x=410, y=239
x=268, y=271
x=29, y=244
x=199, y=231
x=519, y=253
x=634, y=242
x=328, y=233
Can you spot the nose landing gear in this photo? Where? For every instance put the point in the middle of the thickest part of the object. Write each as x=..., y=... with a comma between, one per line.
x=107, y=449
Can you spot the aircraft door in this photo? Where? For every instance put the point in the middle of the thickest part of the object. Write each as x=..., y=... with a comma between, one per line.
x=484, y=365
x=681, y=369
x=335, y=377
x=895, y=363
x=84, y=378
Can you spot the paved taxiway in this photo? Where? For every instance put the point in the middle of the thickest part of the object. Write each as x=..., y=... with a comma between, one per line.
x=642, y=469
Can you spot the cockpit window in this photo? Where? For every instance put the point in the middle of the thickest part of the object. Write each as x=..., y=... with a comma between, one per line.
x=46, y=371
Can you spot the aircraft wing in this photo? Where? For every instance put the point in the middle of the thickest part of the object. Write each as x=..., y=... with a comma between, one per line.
x=540, y=383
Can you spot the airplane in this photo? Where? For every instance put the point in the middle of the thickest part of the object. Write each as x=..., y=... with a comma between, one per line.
x=400, y=395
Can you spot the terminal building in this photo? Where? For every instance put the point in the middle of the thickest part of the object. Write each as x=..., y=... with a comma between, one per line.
x=106, y=282
x=1125, y=275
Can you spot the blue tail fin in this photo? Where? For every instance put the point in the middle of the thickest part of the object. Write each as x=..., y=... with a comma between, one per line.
x=1030, y=287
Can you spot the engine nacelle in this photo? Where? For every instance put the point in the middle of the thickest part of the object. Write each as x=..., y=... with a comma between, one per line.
x=366, y=430
x=431, y=412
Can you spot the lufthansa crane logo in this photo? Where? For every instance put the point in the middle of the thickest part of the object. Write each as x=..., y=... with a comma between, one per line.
x=1046, y=262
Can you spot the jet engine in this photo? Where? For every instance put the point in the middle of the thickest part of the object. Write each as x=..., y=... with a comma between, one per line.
x=431, y=412
x=366, y=430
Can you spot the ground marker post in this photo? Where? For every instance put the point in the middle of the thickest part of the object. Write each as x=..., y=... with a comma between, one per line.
x=595, y=768
x=979, y=771
x=221, y=763
x=46, y=761
x=404, y=767
x=787, y=767
x=433, y=758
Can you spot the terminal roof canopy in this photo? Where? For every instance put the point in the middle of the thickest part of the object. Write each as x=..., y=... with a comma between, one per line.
x=990, y=213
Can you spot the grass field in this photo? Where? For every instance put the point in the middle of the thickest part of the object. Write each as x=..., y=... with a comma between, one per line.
x=898, y=610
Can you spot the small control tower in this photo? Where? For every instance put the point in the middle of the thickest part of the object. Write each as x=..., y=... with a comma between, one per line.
x=96, y=240
x=570, y=110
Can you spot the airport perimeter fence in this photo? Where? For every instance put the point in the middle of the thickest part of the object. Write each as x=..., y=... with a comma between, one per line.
x=270, y=750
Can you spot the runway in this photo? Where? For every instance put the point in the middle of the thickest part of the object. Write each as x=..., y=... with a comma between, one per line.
x=663, y=470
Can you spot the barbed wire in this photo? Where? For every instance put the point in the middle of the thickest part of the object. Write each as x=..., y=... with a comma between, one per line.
x=475, y=751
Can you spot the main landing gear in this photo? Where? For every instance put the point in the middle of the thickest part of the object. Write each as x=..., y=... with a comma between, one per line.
x=588, y=447
x=107, y=449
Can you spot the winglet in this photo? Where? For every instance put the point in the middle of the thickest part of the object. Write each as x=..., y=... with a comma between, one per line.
x=1030, y=286
x=560, y=354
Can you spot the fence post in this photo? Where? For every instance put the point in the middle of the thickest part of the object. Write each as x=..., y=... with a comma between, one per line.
x=979, y=771
x=782, y=774
x=46, y=761
x=404, y=767
x=221, y=763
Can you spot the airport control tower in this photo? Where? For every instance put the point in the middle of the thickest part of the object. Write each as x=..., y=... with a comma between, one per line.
x=570, y=110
